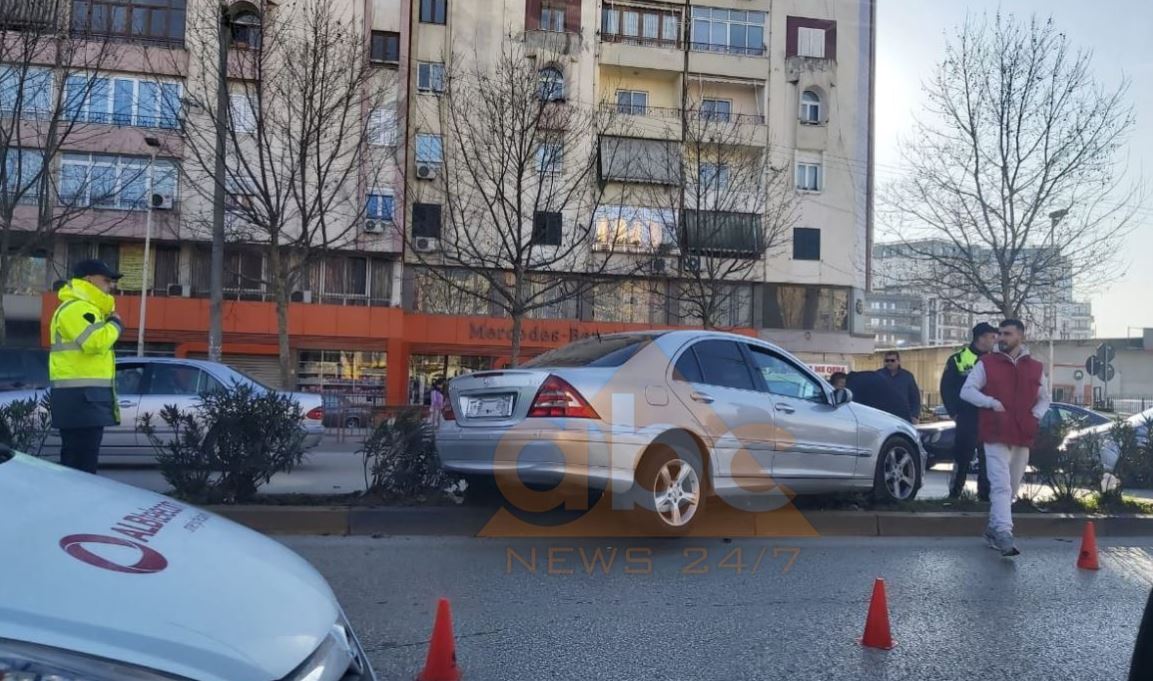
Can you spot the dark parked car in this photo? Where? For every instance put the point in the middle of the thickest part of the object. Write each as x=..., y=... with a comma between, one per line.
x=23, y=368
x=937, y=437
x=341, y=412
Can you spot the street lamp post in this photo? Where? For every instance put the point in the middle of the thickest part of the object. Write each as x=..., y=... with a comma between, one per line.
x=154, y=147
x=1054, y=218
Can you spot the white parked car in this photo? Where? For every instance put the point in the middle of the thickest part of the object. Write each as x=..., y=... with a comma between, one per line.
x=106, y=582
x=1109, y=450
x=145, y=385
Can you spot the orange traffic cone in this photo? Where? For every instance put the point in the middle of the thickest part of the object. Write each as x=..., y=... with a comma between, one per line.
x=1087, y=559
x=877, y=634
x=441, y=662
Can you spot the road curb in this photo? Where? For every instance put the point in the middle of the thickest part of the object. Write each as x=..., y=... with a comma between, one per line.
x=468, y=521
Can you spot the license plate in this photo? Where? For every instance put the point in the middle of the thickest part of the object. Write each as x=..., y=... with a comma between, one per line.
x=496, y=406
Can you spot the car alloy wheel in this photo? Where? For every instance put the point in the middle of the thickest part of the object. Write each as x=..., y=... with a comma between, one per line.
x=899, y=472
x=676, y=493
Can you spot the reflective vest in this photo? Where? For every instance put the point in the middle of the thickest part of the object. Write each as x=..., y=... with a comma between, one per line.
x=965, y=359
x=82, y=338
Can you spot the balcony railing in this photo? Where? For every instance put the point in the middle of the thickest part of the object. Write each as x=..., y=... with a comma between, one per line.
x=757, y=51
x=666, y=112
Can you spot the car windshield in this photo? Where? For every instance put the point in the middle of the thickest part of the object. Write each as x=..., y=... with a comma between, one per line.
x=598, y=351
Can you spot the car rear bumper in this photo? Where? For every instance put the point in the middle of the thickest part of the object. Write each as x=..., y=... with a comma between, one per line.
x=537, y=456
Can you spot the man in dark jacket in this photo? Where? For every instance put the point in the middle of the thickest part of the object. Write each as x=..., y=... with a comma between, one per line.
x=873, y=390
x=904, y=383
x=964, y=415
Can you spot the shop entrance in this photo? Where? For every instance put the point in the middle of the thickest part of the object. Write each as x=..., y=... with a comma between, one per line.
x=424, y=369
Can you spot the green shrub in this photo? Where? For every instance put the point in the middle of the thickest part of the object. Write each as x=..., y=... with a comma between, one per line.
x=1134, y=465
x=400, y=460
x=24, y=424
x=1073, y=471
x=233, y=442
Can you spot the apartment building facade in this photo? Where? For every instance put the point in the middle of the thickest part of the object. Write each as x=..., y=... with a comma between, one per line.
x=794, y=83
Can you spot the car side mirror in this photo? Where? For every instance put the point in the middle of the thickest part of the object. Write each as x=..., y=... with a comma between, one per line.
x=842, y=396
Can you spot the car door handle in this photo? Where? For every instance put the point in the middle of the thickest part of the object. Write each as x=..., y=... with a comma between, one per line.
x=784, y=408
x=127, y=403
x=702, y=397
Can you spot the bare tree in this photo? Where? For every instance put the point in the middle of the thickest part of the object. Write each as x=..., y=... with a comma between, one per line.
x=48, y=72
x=1014, y=189
x=298, y=156
x=734, y=210
x=518, y=177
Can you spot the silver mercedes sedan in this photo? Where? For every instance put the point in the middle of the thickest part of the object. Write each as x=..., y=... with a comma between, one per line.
x=669, y=419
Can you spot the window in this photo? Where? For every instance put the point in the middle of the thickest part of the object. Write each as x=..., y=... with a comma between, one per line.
x=240, y=113
x=546, y=228
x=123, y=101
x=429, y=148
x=25, y=92
x=603, y=353
x=713, y=176
x=430, y=76
x=432, y=294
x=710, y=232
x=809, y=177
x=716, y=110
x=382, y=126
x=552, y=17
x=723, y=365
x=148, y=20
x=433, y=11
x=555, y=298
x=630, y=159
x=243, y=270
x=379, y=206
x=628, y=302
x=551, y=84
x=549, y=158
x=22, y=175
x=816, y=308
x=783, y=378
x=640, y=25
x=175, y=379
x=246, y=30
x=129, y=379
x=728, y=30
x=631, y=228
x=806, y=244
x=426, y=220
x=688, y=369
x=811, y=42
x=810, y=107
x=385, y=47
x=632, y=102
x=811, y=38
x=107, y=181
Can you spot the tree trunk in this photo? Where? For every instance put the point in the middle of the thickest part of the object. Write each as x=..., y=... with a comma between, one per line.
x=517, y=323
x=3, y=314
x=280, y=293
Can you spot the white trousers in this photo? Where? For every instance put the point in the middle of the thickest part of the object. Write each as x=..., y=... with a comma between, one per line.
x=1006, y=464
x=1007, y=468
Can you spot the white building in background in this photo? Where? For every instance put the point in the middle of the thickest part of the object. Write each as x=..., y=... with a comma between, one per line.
x=902, y=316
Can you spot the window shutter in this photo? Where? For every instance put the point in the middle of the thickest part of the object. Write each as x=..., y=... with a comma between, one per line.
x=532, y=9
x=572, y=16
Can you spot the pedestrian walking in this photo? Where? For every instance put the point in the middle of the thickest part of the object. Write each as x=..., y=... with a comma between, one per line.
x=81, y=363
x=964, y=415
x=436, y=403
x=1010, y=390
x=905, y=384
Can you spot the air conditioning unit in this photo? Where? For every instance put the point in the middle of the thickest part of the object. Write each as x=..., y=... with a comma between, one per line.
x=301, y=297
x=162, y=202
x=658, y=265
x=181, y=290
x=373, y=227
x=426, y=171
x=425, y=244
x=691, y=263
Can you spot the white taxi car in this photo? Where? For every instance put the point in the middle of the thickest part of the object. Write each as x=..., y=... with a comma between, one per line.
x=104, y=582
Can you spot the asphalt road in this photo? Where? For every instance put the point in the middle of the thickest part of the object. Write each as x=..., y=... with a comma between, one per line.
x=958, y=610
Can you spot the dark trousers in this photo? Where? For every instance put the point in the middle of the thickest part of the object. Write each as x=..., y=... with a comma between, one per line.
x=964, y=443
x=80, y=447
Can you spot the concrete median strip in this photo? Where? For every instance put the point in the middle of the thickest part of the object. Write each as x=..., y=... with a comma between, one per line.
x=468, y=521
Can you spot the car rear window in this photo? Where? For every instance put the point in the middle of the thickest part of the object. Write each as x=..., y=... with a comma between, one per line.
x=608, y=351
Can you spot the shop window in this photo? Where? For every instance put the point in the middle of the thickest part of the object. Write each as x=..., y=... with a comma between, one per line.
x=423, y=370
x=816, y=308
x=355, y=379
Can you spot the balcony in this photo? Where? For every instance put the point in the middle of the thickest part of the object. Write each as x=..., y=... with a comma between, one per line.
x=641, y=53
x=552, y=43
x=748, y=63
x=657, y=122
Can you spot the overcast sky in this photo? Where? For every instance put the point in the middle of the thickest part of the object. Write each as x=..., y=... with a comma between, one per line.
x=910, y=41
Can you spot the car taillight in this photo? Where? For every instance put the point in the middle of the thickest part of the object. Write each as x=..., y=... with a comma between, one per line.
x=447, y=413
x=316, y=414
x=557, y=399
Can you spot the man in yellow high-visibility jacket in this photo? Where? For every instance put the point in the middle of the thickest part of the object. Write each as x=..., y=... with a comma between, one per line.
x=82, y=365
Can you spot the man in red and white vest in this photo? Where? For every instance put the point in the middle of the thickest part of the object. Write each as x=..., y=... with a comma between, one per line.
x=1010, y=389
